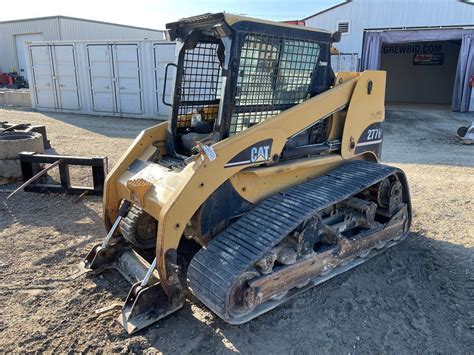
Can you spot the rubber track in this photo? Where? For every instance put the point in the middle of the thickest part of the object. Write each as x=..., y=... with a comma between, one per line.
x=214, y=269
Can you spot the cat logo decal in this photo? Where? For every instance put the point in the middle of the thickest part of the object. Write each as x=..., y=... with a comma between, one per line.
x=256, y=153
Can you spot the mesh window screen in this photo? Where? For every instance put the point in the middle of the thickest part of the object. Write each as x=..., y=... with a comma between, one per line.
x=274, y=74
x=200, y=84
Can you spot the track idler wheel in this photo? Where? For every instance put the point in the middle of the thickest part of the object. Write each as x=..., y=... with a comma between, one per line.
x=238, y=303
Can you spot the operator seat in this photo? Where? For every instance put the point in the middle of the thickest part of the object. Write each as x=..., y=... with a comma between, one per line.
x=202, y=131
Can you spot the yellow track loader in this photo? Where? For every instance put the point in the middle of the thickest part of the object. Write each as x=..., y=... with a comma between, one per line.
x=263, y=183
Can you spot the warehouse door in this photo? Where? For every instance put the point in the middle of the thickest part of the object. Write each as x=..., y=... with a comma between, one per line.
x=162, y=55
x=42, y=70
x=432, y=54
x=420, y=72
x=101, y=77
x=66, y=76
x=127, y=78
x=20, y=50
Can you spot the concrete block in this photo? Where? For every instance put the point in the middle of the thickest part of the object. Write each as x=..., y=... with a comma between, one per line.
x=20, y=97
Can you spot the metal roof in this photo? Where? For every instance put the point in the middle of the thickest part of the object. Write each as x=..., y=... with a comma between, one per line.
x=79, y=19
x=468, y=2
x=326, y=10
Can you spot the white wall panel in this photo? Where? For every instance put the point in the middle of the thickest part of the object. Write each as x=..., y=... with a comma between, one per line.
x=48, y=28
x=75, y=29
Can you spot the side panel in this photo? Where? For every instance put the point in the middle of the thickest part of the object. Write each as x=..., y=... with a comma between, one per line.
x=66, y=76
x=363, y=128
x=101, y=77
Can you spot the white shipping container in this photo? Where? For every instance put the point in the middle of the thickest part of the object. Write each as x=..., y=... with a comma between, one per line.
x=118, y=78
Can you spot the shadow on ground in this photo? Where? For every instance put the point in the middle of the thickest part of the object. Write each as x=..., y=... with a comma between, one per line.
x=47, y=210
x=416, y=297
x=108, y=126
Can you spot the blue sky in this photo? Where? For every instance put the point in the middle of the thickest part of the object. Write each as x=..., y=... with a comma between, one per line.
x=155, y=13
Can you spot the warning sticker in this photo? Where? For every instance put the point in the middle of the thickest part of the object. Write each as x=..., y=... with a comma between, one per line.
x=210, y=153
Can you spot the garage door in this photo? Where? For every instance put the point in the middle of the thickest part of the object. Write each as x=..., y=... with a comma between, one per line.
x=101, y=75
x=66, y=78
x=43, y=76
x=420, y=72
x=20, y=50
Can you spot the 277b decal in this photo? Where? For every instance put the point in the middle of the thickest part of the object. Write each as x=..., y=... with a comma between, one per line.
x=374, y=134
x=370, y=139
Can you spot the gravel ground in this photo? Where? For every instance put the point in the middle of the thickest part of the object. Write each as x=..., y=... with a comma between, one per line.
x=416, y=297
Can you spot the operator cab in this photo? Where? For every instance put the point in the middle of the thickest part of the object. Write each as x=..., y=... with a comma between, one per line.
x=234, y=72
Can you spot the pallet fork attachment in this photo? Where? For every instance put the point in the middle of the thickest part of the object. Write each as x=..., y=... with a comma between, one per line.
x=146, y=301
x=28, y=161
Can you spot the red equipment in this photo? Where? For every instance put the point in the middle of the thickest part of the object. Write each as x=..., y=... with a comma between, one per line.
x=6, y=79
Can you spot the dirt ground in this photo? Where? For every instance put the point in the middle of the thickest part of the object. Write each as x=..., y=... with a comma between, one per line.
x=417, y=297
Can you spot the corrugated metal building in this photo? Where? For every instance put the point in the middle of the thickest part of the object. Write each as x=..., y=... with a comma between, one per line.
x=360, y=15
x=13, y=34
x=426, y=46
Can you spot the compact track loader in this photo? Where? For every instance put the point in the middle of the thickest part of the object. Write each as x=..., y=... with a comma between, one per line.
x=263, y=183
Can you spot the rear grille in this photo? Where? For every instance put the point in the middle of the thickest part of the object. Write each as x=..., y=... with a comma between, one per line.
x=172, y=163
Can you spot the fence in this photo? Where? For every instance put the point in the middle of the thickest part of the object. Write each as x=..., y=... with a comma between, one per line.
x=345, y=62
